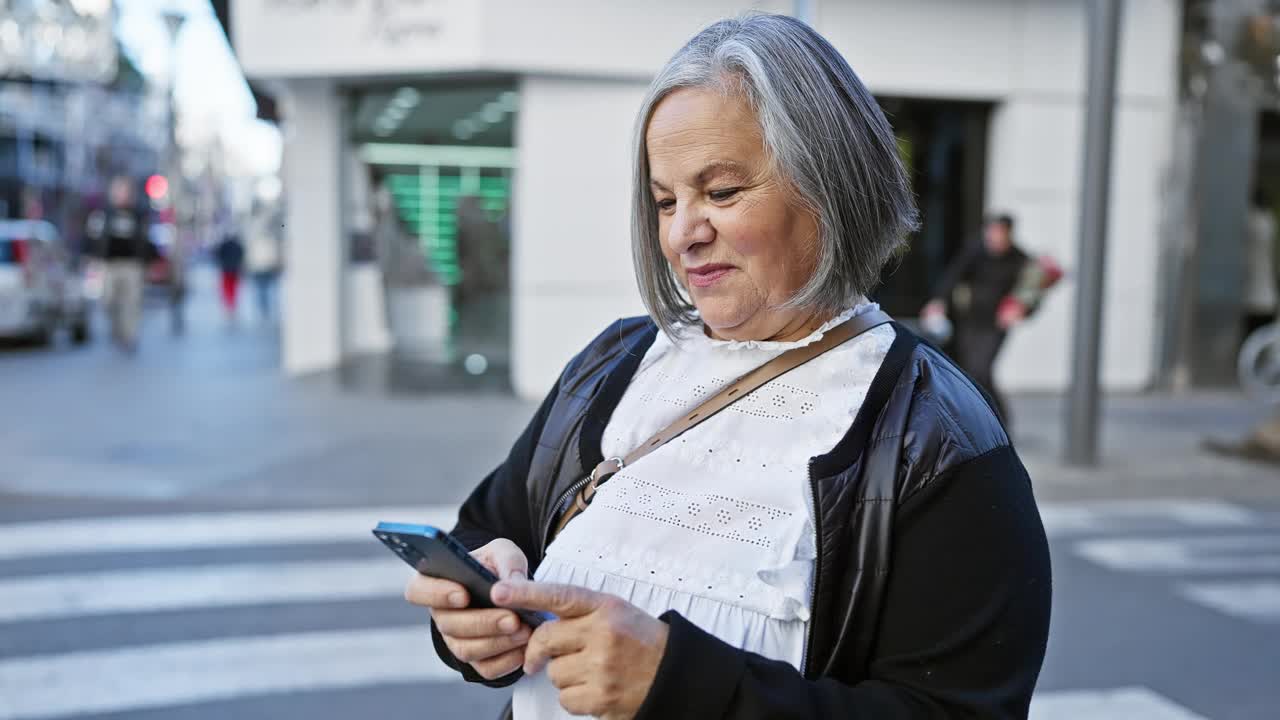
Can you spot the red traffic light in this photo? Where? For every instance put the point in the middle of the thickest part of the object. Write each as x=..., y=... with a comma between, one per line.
x=157, y=187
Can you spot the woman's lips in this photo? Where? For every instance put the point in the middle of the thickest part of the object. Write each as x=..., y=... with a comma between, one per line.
x=707, y=275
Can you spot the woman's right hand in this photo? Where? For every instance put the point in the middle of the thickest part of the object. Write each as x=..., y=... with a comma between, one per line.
x=490, y=640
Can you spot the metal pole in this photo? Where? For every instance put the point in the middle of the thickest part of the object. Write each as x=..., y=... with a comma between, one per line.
x=802, y=10
x=1095, y=185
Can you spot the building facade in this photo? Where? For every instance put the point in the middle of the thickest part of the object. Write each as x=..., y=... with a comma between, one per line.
x=529, y=107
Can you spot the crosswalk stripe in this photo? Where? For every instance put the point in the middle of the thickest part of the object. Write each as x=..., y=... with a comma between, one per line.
x=1062, y=518
x=1257, y=600
x=1131, y=703
x=154, y=676
x=285, y=527
x=1186, y=554
x=208, y=530
x=96, y=593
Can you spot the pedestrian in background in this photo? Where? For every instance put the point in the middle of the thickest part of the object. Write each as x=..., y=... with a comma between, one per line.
x=483, y=294
x=971, y=292
x=230, y=255
x=121, y=232
x=263, y=257
x=177, y=255
x=1260, y=293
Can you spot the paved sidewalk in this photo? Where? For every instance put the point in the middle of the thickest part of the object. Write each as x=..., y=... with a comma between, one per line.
x=209, y=416
x=1151, y=446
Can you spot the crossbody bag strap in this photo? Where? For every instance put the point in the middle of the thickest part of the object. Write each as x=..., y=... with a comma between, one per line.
x=730, y=394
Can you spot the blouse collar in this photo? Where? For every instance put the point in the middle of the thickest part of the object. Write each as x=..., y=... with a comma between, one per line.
x=697, y=334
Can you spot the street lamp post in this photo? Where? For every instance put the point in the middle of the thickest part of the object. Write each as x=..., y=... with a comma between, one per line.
x=1095, y=185
x=176, y=251
x=173, y=23
x=803, y=10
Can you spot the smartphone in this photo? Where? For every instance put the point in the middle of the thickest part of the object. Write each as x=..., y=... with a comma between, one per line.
x=432, y=551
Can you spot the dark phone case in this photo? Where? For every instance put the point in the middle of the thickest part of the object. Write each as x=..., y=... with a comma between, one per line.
x=431, y=551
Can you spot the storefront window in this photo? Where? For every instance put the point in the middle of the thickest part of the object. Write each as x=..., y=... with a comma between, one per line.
x=439, y=161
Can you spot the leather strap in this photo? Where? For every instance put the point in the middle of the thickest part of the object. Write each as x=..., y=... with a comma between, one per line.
x=730, y=394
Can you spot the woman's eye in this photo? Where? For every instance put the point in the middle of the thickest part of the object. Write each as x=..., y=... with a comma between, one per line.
x=665, y=203
x=722, y=195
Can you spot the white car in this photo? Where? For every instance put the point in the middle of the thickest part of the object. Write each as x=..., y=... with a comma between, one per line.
x=39, y=291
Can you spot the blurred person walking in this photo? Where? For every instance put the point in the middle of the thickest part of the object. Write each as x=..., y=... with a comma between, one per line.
x=263, y=257
x=1258, y=354
x=980, y=279
x=417, y=300
x=121, y=232
x=482, y=252
x=230, y=257
x=177, y=255
x=483, y=294
x=1261, y=297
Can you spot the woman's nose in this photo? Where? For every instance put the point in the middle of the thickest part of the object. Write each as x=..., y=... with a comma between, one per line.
x=689, y=227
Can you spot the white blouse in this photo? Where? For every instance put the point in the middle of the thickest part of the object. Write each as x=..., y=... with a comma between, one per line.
x=717, y=523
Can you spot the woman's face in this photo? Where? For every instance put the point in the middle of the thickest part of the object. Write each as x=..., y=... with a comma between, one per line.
x=735, y=237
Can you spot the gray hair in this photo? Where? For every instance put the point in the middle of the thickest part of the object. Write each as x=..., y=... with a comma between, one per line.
x=825, y=136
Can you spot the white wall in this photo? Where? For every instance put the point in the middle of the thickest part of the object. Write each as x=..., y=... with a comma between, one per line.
x=989, y=49
x=925, y=48
x=598, y=37
x=304, y=38
x=310, y=293
x=571, y=258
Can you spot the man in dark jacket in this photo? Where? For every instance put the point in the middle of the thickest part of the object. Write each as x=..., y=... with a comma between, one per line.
x=121, y=233
x=980, y=279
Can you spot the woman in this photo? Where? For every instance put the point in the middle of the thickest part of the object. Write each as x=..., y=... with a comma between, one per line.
x=230, y=256
x=262, y=256
x=856, y=538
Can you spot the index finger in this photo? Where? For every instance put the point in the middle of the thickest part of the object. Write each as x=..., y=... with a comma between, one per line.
x=435, y=592
x=565, y=601
x=550, y=641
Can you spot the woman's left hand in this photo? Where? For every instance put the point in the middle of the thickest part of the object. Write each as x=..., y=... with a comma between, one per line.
x=602, y=653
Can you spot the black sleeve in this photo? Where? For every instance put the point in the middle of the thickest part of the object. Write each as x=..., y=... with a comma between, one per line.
x=499, y=508
x=963, y=633
x=957, y=272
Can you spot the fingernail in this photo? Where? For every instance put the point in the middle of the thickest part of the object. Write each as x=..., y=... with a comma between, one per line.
x=517, y=575
x=508, y=625
x=501, y=592
x=457, y=599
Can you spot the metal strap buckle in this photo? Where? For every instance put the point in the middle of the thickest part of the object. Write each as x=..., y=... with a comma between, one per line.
x=602, y=472
x=612, y=466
